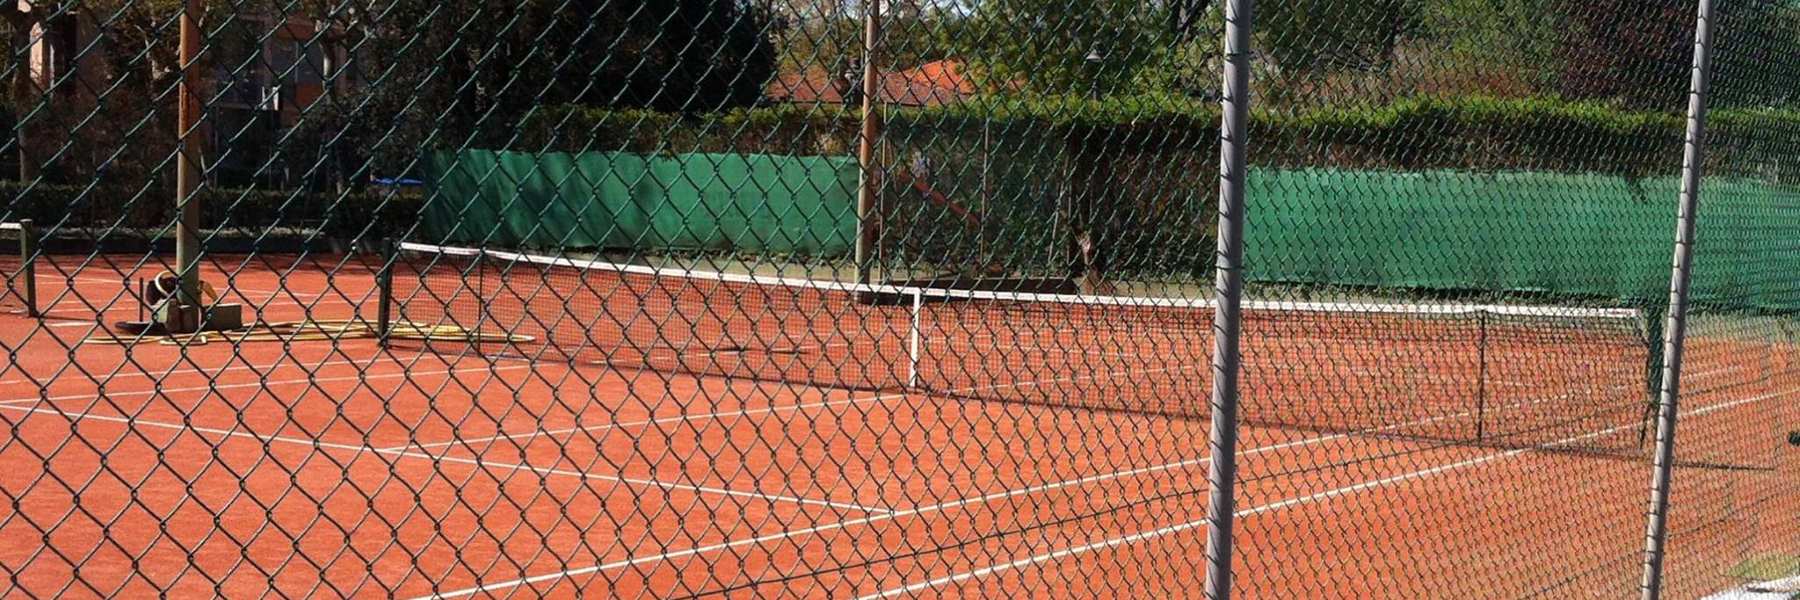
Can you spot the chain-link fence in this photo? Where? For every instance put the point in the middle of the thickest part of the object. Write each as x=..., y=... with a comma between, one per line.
x=841, y=298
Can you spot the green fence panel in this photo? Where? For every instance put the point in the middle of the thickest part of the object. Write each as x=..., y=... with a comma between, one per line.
x=1745, y=245
x=1564, y=234
x=617, y=200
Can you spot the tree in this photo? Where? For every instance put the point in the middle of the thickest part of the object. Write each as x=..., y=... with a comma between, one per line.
x=1636, y=52
x=828, y=36
x=1079, y=46
x=1754, y=46
x=1639, y=52
x=466, y=73
x=1503, y=48
x=1323, y=36
x=680, y=55
x=22, y=88
x=65, y=129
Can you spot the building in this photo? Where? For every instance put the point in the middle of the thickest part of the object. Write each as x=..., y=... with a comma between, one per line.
x=260, y=74
x=935, y=83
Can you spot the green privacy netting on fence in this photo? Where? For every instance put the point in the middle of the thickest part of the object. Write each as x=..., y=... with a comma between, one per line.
x=619, y=200
x=1560, y=234
x=653, y=366
x=1565, y=234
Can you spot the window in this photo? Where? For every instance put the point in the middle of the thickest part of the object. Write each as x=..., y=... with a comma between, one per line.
x=281, y=54
x=238, y=66
x=311, y=69
x=62, y=39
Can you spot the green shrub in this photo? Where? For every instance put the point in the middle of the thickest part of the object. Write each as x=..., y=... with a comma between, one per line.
x=367, y=214
x=1466, y=132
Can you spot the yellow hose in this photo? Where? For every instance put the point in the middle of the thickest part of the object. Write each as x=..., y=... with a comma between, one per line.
x=308, y=330
x=329, y=330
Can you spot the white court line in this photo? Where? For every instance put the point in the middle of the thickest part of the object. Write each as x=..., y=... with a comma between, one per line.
x=641, y=482
x=248, y=384
x=329, y=360
x=714, y=277
x=934, y=508
x=534, y=434
x=1274, y=506
x=339, y=296
x=259, y=299
x=240, y=291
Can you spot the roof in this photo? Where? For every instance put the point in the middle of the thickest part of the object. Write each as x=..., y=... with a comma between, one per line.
x=934, y=83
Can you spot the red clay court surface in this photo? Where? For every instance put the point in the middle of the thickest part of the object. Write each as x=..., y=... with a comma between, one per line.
x=347, y=469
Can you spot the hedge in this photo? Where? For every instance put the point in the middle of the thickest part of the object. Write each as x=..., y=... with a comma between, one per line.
x=1464, y=133
x=1156, y=153
x=367, y=214
x=1151, y=161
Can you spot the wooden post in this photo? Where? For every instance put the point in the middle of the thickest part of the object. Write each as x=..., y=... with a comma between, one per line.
x=189, y=168
x=868, y=223
x=188, y=311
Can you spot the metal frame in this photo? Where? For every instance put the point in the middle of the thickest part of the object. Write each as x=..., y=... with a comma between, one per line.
x=1228, y=292
x=1668, y=410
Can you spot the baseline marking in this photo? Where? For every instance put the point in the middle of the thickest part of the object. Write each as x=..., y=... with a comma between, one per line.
x=641, y=482
x=529, y=435
x=247, y=384
x=1274, y=506
x=934, y=508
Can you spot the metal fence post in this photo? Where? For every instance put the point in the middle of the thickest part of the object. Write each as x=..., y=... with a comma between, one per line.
x=1657, y=530
x=1228, y=290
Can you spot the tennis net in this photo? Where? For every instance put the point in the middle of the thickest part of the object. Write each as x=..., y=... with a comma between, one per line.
x=18, y=278
x=1498, y=374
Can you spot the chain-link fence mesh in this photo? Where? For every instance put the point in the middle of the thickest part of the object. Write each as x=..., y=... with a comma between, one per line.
x=1471, y=153
x=890, y=299
x=1731, y=517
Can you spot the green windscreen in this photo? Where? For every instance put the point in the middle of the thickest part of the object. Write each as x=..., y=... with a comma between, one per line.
x=620, y=200
x=1560, y=234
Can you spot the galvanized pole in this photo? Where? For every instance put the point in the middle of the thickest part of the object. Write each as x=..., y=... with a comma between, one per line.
x=188, y=168
x=1675, y=330
x=867, y=222
x=1228, y=290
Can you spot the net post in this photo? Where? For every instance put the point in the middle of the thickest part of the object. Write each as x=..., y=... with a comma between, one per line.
x=485, y=297
x=1228, y=293
x=912, y=352
x=384, y=284
x=1481, y=393
x=28, y=249
x=1654, y=314
x=1656, y=529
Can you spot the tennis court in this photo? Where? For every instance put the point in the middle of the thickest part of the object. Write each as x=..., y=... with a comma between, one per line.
x=456, y=468
x=869, y=299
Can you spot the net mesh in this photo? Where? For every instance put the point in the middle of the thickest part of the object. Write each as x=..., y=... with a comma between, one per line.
x=879, y=299
x=1506, y=375
x=18, y=292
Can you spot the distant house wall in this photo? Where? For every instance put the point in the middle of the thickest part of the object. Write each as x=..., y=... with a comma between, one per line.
x=261, y=77
x=935, y=83
x=270, y=74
